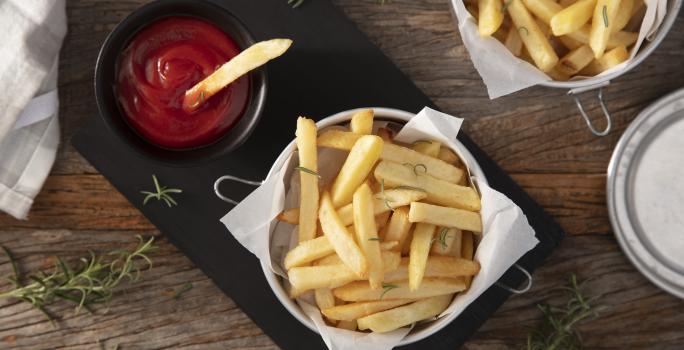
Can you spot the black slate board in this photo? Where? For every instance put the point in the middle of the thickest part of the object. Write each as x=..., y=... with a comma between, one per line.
x=331, y=67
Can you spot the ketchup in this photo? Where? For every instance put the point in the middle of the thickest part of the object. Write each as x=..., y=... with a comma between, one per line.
x=164, y=60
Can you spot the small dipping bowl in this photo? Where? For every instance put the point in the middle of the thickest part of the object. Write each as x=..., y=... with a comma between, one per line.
x=106, y=71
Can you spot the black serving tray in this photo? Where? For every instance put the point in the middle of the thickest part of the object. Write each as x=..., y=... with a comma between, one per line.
x=331, y=67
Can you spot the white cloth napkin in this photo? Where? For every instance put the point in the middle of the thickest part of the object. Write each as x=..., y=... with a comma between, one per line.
x=31, y=33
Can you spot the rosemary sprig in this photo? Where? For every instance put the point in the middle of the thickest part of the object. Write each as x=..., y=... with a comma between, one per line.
x=558, y=326
x=374, y=239
x=605, y=16
x=182, y=290
x=92, y=282
x=387, y=287
x=162, y=193
x=308, y=171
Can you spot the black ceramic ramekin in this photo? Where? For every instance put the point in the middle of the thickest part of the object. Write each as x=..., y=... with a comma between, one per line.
x=105, y=78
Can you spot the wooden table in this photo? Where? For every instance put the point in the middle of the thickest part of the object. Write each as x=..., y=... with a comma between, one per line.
x=536, y=135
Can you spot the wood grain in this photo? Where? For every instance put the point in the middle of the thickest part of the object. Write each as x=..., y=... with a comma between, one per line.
x=536, y=135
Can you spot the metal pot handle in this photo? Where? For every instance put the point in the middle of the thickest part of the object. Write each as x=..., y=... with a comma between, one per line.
x=218, y=182
x=575, y=92
x=518, y=291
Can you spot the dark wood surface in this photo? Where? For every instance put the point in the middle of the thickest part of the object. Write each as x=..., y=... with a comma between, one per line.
x=536, y=135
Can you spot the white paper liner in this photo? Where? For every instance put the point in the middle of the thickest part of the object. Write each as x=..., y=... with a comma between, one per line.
x=503, y=73
x=506, y=236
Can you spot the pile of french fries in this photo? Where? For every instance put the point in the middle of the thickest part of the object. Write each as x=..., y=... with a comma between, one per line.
x=390, y=240
x=565, y=38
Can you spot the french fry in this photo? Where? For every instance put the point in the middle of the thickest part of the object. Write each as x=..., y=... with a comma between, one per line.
x=545, y=29
x=390, y=257
x=437, y=267
x=361, y=291
x=440, y=169
x=399, y=227
x=438, y=191
x=449, y=156
x=338, y=139
x=401, y=316
x=381, y=221
x=308, y=251
x=291, y=216
x=608, y=60
x=352, y=311
x=569, y=42
x=348, y=325
x=339, y=237
x=319, y=249
x=362, y=122
x=305, y=278
x=367, y=233
x=395, y=198
x=467, y=251
x=623, y=15
x=566, y=3
x=555, y=74
x=324, y=299
x=602, y=23
x=418, y=253
x=620, y=38
x=543, y=9
x=359, y=163
x=386, y=134
x=446, y=241
x=572, y=18
x=407, y=243
x=513, y=44
x=444, y=216
x=308, y=203
x=247, y=60
x=575, y=60
x=535, y=41
x=490, y=16
x=434, y=167
x=427, y=147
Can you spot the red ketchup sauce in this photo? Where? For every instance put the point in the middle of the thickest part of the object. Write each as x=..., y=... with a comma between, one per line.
x=164, y=60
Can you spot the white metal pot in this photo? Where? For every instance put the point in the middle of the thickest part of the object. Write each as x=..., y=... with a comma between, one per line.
x=382, y=114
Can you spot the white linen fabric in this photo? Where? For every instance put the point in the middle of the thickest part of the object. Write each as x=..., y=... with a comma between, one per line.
x=31, y=32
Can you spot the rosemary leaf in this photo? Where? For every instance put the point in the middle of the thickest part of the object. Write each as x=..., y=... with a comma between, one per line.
x=387, y=287
x=374, y=239
x=308, y=171
x=384, y=197
x=605, y=16
x=182, y=290
x=505, y=6
x=421, y=141
x=527, y=32
x=405, y=187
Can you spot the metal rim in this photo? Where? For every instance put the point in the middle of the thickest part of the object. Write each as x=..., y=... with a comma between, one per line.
x=614, y=206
